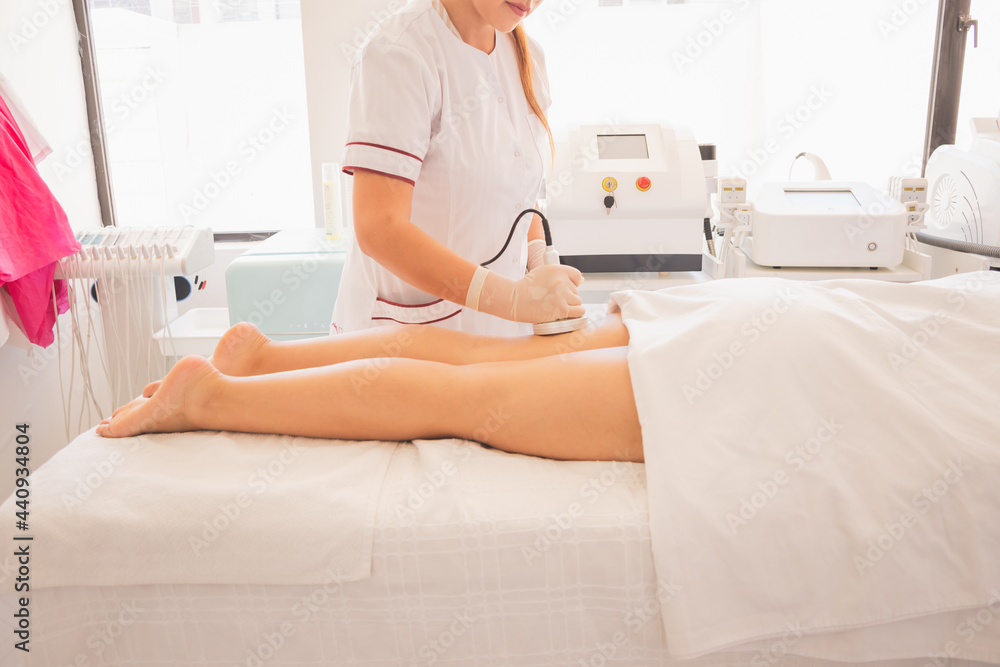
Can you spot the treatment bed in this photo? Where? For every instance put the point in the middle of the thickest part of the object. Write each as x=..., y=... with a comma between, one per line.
x=507, y=560
x=225, y=549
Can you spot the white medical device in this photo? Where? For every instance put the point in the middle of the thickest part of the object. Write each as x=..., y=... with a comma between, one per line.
x=180, y=250
x=826, y=224
x=965, y=189
x=628, y=198
x=127, y=274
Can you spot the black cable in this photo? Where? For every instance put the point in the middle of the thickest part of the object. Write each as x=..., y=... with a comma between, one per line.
x=545, y=226
x=709, y=236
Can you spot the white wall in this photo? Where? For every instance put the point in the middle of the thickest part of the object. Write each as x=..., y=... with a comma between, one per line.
x=332, y=31
x=39, y=55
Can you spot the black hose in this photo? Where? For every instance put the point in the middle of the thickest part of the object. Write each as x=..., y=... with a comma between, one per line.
x=545, y=226
x=709, y=235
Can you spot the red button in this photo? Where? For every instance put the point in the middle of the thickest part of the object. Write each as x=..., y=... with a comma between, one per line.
x=643, y=183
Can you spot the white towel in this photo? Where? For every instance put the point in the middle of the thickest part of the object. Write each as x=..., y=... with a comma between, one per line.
x=206, y=507
x=820, y=456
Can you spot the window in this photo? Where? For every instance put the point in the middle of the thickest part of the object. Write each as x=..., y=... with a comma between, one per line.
x=204, y=108
x=205, y=105
x=848, y=80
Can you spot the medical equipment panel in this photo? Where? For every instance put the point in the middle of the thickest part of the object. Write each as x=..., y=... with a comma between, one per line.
x=628, y=198
x=287, y=285
x=826, y=224
x=174, y=251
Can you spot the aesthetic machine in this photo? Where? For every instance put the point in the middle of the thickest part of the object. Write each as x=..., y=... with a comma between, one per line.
x=965, y=191
x=628, y=198
x=826, y=224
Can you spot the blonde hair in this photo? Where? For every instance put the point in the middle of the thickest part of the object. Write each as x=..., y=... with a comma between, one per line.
x=525, y=67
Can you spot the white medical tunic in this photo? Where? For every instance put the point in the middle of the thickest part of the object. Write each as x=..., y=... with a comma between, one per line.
x=429, y=109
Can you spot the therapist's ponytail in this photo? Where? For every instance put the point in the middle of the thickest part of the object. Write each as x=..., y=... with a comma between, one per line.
x=525, y=67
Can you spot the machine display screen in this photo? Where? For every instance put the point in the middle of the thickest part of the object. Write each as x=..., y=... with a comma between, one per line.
x=622, y=147
x=825, y=198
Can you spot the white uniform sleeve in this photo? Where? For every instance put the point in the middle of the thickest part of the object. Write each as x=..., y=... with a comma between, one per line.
x=393, y=97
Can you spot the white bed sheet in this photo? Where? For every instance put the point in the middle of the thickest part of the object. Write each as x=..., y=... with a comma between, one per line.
x=825, y=453
x=480, y=558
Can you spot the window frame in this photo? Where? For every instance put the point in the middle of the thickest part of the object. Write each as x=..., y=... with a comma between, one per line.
x=95, y=113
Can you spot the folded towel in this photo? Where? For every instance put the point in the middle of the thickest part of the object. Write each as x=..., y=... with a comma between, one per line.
x=203, y=507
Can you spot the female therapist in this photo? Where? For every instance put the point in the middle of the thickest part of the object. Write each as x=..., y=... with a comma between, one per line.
x=447, y=143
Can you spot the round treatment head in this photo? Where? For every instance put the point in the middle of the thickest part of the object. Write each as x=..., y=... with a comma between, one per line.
x=560, y=326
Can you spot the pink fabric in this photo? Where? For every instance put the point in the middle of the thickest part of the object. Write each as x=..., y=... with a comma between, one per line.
x=34, y=234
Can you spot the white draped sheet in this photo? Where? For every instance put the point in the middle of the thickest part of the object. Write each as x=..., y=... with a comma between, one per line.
x=821, y=458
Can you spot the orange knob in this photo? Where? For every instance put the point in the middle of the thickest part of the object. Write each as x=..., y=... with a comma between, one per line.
x=643, y=183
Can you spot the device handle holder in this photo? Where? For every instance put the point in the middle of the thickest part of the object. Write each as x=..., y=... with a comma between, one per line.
x=735, y=216
x=912, y=192
x=820, y=170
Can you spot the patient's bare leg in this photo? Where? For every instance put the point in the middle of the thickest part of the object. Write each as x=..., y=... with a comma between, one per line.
x=244, y=350
x=577, y=406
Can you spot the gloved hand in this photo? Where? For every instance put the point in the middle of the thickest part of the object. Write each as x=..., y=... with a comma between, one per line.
x=536, y=254
x=547, y=294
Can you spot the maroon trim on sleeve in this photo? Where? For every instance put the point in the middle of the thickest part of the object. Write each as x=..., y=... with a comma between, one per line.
x=416, y=305
x=350, y=172
x=440, y=319
x=385, y=148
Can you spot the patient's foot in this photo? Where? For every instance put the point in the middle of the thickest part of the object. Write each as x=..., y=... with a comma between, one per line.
x=147, y=393
x=239, y=352
x=188, y=387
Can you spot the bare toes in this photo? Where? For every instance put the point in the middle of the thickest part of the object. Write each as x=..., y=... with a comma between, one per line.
x=189, y=382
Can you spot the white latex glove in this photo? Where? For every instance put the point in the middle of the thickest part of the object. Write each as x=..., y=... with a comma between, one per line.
x=536, y=254
x=547, y=294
